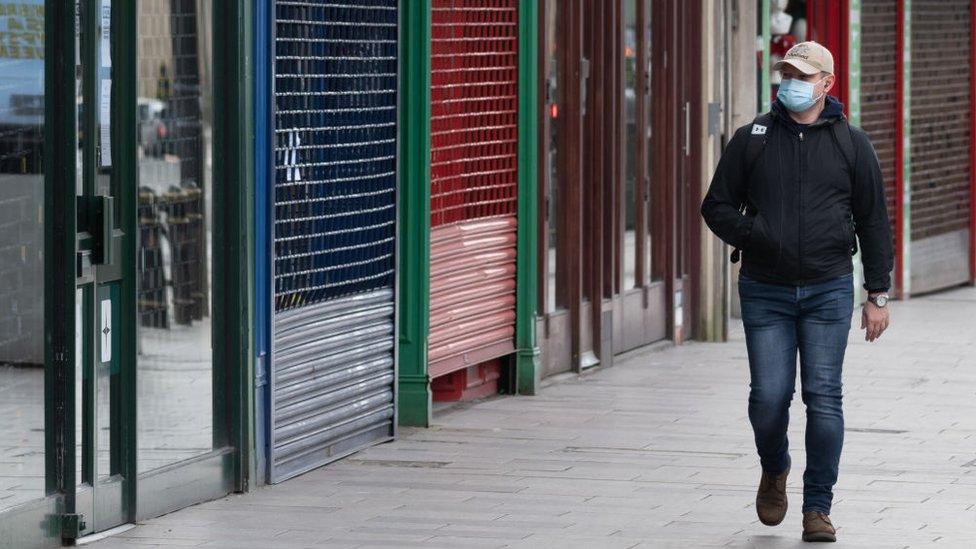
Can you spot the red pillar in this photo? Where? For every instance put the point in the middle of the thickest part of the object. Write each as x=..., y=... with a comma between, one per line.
x=828, y=22
x=900, y=154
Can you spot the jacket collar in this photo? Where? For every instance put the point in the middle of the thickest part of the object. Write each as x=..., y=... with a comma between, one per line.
x=833, y=111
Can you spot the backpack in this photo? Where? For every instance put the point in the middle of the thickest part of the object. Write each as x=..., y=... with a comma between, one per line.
x=758, y=137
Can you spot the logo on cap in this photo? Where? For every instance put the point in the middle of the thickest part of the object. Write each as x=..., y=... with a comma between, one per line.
x=800, y=50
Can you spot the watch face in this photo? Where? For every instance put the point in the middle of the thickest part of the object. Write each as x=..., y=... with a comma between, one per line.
x=881, y=300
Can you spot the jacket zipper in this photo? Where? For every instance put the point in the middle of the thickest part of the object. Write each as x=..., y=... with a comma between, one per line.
x=799, y=229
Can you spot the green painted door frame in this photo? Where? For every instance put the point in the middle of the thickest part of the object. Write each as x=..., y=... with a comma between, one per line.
x=233, y=212
x=528, y=368
x=766, y=69
x=413, y=385
x=124, y=130
x=38, y=523
x=414, y=393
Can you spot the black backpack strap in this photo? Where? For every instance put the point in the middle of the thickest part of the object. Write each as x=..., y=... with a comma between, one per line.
x=758, y=136
x=843, y=136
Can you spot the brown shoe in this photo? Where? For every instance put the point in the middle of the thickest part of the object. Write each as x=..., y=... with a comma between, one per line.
x=771, y=498
x=817, y=527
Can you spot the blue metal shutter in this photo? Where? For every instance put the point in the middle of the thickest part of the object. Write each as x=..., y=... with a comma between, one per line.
x=335, y=141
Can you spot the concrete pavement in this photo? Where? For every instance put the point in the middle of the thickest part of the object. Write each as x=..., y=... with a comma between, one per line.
x=654, y=452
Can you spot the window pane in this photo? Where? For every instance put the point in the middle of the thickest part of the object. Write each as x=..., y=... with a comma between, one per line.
x=82, y=350
x=21, y=255
x=555, y=297
x=630, y=143
x=175, y=366
x=651, y=213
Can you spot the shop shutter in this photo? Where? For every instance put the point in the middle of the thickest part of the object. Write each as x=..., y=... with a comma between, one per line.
x=941, y=166
x=879, y=88
x=335, y=124
x=474, y=178
x=826, y=25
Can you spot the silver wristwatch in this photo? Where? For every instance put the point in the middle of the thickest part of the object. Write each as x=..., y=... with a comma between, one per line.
x=880, y=300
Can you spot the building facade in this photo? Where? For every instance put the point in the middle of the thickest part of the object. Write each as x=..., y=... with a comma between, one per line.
x=240, y=240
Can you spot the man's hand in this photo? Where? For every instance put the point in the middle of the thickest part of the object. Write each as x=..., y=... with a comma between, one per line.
x=874, y=320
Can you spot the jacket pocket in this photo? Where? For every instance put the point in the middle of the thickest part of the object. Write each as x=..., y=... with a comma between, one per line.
x=849, y=235
x=761, y=247
x=757, y=236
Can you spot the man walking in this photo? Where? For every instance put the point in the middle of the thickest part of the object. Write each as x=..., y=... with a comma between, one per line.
x=793, y=193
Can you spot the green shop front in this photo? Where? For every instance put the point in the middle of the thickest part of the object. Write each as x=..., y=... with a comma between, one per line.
x=124, y=339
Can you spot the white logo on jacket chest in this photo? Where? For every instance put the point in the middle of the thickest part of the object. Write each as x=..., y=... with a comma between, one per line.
x=758, y=130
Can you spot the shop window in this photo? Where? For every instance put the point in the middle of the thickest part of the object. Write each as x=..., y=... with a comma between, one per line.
x=22, y=267
x=174, y=266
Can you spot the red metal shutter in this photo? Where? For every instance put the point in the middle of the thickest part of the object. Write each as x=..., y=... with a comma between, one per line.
x=940, y=143
x=474, y=176
x=879, y=88
x=827, y=23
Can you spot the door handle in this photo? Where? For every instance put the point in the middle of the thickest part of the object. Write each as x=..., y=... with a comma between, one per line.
x=584, y=80
x=96, y=216
x=687, y=147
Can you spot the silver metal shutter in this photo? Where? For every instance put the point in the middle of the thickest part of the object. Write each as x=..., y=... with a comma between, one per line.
x=333, y=380
x=333, y=371
x=940, y=144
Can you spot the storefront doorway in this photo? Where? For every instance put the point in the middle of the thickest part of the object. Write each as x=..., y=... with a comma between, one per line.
x=618, y=217
x=113, y=391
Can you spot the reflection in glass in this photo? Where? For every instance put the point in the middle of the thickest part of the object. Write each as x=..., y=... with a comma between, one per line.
x=630, y=144
x=648, y=17
x=21, y=254
x=81, y=350
x=175, y=367
x=106, y=369
x=554, y=299
x=81, y=345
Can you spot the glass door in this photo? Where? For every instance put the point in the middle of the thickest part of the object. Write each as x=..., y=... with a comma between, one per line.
x=96, y=390
x=62, y=473
x=639, y=307
x=116, y=403
x=567, y=256
x=173, y=263
x=188, y=320
x=150, y=420
x=559, y=166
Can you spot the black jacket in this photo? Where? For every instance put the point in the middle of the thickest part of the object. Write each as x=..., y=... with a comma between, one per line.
x=802, y=205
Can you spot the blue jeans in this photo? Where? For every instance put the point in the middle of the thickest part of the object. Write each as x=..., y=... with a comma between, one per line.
x=779, y=321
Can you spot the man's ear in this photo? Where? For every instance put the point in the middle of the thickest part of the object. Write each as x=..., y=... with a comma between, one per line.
x=829, y=82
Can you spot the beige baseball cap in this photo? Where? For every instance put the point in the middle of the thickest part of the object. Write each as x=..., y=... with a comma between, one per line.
x=808, y=58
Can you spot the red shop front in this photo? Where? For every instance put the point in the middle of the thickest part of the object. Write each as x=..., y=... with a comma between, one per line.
x=474, y=185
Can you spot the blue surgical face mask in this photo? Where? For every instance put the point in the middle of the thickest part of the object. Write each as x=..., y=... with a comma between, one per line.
x=797, y=95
